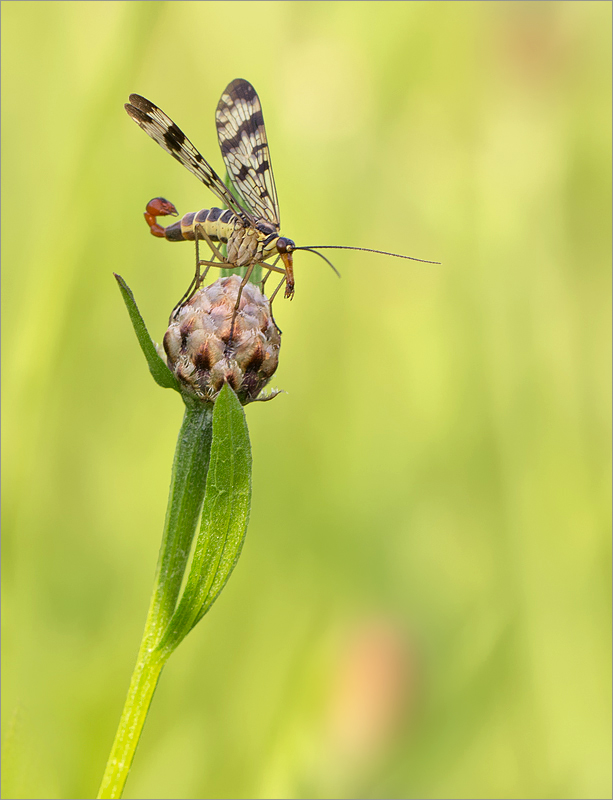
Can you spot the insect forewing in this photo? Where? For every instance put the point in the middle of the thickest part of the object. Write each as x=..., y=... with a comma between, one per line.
x=169, y=136
x=244, y=147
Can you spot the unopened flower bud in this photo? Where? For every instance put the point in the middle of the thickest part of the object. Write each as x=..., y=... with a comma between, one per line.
x=205, y=350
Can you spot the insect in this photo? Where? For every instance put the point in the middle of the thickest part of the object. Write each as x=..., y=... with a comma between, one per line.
x=250, y=225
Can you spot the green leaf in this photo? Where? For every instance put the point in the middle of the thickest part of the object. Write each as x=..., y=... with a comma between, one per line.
x=158, y=369
x=225, y=516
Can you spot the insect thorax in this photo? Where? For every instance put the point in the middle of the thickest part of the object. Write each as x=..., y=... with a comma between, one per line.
x=248, y=245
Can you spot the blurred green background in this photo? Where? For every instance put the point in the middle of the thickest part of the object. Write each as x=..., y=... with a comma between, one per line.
x=422, y=607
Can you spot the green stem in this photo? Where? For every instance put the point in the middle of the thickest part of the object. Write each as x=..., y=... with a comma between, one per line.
x=185, y=500
x=142, y=686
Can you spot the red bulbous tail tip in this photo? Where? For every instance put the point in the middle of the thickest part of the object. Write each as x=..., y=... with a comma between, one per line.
x=158, y=207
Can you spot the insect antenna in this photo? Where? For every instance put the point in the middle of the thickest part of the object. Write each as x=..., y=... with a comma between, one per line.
x=366, y=249
x=310, y=250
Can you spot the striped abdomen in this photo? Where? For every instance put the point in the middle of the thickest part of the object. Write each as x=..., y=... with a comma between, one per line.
x=246, y=244
x=218, y=224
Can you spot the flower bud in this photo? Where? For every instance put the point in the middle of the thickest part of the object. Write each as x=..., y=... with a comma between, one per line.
x=201, y=353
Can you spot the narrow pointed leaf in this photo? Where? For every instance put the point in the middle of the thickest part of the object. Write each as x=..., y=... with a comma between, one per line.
x=225, y=516
x=158, y=369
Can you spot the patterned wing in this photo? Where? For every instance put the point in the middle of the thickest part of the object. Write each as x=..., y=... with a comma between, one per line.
x=161, y=128
x=244, y=147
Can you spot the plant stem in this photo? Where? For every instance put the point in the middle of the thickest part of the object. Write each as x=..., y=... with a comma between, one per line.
x=185, y=500
x=142, y=686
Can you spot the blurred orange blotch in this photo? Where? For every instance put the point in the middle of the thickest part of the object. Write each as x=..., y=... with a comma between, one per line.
x=374, y=692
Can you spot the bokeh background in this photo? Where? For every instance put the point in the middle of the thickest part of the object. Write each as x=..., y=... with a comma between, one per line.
x=422, y=607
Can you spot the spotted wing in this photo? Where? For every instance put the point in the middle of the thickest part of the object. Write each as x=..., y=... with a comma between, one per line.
x=169, y=136
x=244, y=147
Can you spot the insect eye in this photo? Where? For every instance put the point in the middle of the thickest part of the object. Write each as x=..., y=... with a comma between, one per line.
x=285, y=245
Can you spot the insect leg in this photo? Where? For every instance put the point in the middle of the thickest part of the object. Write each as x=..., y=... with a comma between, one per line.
x=271, y=268
x=191, y=291
x=274, y=294
x=196, y=282
x=238, y=298
x=272, y=297
x=264, y=279
x=200, y=233
x=198, y=279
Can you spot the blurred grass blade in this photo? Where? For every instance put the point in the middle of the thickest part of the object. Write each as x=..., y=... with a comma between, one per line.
x=158, y=369
x=225, y=516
